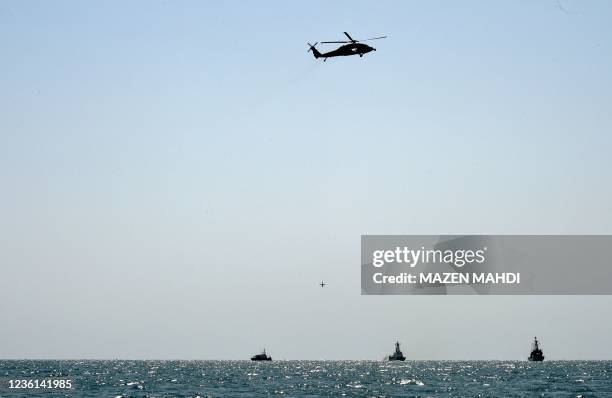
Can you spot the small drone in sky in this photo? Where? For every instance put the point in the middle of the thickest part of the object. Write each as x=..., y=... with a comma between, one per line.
x=355, y=47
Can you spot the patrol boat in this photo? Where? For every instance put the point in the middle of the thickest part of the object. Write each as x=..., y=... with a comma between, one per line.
x=397, y=355
x=536, y=352
x=261, y=357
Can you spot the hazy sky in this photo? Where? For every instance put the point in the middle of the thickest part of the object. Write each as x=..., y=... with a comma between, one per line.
x=177, y=177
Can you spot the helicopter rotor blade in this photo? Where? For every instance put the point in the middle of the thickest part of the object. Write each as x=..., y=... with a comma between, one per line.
x=374, y=38
x=349, y=37
x=352, y=40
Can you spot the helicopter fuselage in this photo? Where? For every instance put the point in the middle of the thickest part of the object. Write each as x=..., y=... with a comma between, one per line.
x=349, y=49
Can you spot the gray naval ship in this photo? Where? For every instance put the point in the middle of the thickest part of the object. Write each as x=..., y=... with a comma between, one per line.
x=397, y=355
x=261, y=357
x=537, y=354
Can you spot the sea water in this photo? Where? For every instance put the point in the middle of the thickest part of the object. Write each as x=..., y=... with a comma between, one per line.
x=122, y=378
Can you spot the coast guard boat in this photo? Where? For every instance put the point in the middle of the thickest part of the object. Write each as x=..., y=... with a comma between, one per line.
x=536, y=353
x=397, y=355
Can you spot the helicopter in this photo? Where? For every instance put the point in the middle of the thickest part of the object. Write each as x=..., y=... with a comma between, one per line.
x=355, y=47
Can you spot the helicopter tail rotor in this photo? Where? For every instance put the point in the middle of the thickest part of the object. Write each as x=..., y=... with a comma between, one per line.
x=315, y=52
